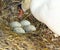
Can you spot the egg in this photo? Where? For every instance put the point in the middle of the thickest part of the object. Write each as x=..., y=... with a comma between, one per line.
x=15, y=24
x=30, y=28
x=19, y=30
x=25, y=23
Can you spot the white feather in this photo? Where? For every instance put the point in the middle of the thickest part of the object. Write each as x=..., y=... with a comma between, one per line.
x=48, y=12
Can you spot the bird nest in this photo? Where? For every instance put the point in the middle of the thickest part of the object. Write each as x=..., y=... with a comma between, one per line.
x=42, y=39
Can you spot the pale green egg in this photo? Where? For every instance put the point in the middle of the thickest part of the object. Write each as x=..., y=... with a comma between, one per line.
x=15, y=24
x=19, y=30
x=25, y=23
x=30, y=28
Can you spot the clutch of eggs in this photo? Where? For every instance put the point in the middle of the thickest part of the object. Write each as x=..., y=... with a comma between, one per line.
x=26, y=26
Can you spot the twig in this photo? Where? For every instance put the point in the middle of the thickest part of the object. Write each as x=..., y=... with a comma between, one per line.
x=27, y=16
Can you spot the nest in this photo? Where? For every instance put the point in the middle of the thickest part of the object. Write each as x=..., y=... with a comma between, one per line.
x=42, y=39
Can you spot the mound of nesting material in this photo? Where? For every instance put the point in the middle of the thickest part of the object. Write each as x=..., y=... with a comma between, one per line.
x=42, y=39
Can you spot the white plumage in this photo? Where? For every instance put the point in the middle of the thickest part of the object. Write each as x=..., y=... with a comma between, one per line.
x=48, y=12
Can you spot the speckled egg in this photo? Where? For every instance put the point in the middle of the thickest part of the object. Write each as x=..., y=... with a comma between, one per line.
x=30, y=28
x=19, y=30
x=25, y=23
x=15, y=24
